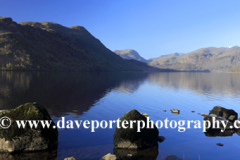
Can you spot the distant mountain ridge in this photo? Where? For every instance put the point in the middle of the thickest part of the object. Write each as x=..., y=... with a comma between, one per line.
x=51, y=46
x=130, y=54
x=165, y=56
x=203, y=59
x=210, y=58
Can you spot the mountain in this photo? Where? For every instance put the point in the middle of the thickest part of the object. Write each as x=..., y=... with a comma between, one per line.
x=51, y=46
x=165, y=56
x=130, y=54
x=211, y=58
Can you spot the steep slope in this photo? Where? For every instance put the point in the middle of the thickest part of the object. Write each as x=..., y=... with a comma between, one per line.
x=50, y=46
x=211, y=58
x=130, y=54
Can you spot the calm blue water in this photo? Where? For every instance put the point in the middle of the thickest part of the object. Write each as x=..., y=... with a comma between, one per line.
x=107, y=96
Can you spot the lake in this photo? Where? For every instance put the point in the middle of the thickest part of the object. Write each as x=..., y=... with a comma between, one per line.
x=107, y=96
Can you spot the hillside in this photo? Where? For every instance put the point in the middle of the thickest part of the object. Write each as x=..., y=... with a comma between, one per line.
x=51, y=46
x=211, y=58
x=130, y=54
x=165, y=56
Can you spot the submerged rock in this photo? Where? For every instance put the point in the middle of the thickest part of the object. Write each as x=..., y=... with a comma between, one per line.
x=220, y=144
x=219, y=133
x=70, y=158
x=15, y=139
x=172, y=157
x=161, y=139
x=204, y=114
x=109, y=156
x=129, y=138
x=137, y=154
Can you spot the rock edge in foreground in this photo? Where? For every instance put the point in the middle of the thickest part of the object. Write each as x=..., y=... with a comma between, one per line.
x=15, y=139
x=129, y=138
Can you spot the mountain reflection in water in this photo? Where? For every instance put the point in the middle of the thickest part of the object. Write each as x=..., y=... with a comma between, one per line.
x=107, y=96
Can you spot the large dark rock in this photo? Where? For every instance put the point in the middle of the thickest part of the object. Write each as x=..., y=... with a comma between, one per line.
x=219, y=133
x=129, y=138
x=229, y=114
x=217, y=121
x=220, y=114
x=16, y=139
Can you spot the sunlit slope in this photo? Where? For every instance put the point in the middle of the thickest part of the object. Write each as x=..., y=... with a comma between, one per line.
x=213, y=59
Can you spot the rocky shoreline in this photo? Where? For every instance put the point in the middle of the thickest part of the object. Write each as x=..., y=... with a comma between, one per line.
x=129, y=143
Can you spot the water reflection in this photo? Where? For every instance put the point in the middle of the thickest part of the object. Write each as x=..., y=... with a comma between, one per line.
x=49, y=155
x=219, y=133
x=62, y=92
x=149, y=154
x=74, y=92
x=130, y=85
x=202, y=83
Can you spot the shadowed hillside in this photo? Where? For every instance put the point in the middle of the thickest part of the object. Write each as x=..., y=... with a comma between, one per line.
x=50, y=46
x=130, y=54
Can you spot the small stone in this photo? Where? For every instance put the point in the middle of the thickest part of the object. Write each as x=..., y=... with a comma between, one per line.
x=193, y=111
x=70, y=158
x=204, y=114
x=220, y=144
x=129, y=156
x=109, y=156
x=172, y=157
x=161, y=139
x=145, y=114
x=164, y=110
x=175, y=111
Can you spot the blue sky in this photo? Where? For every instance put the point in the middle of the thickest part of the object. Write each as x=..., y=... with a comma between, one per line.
x=152, y=28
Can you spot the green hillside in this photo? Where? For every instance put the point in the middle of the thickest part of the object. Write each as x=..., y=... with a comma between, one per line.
x=51, y=46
